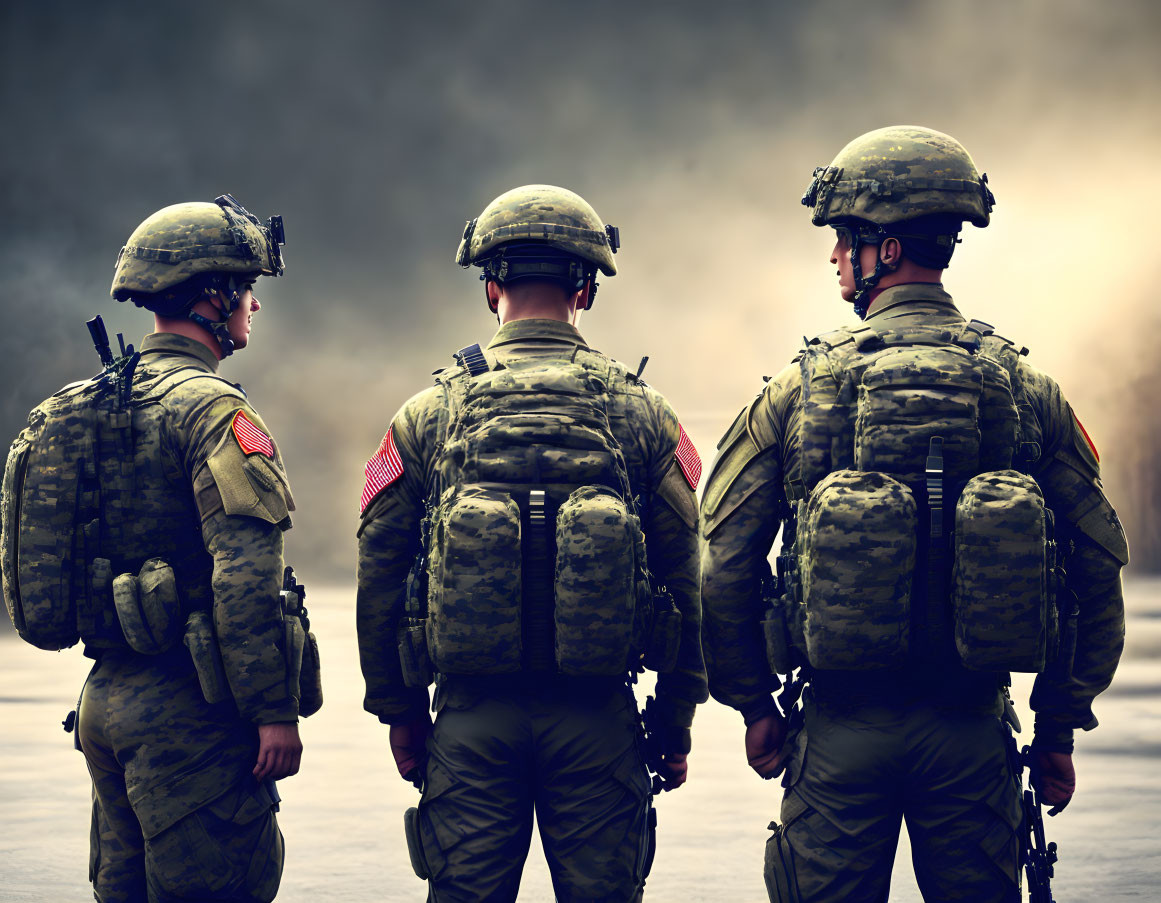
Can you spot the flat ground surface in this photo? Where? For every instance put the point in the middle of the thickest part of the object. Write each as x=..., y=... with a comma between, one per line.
x=342, y=816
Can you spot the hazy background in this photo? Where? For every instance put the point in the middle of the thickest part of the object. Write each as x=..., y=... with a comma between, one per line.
x=377, y=129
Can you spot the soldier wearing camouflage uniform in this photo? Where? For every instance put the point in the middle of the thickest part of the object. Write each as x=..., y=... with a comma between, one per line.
x=534, y=712
x=905, y=700
x=183, y=754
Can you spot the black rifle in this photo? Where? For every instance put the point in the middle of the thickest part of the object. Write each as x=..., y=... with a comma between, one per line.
x=1037, y=856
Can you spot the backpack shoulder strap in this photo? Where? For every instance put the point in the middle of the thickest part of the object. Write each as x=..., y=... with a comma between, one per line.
x=184, y=375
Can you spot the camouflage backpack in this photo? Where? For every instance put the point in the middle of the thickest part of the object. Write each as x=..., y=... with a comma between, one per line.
x=536, y=553
x=64, y=475
x=914, y=537
x=69, y=512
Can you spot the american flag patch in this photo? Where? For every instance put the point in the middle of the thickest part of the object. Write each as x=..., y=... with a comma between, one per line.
x=384, y=468
x=1087, y=438
x=687, y=459
x=250, y=437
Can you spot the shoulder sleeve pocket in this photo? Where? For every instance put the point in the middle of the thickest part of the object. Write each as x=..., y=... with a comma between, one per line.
x=251, y=485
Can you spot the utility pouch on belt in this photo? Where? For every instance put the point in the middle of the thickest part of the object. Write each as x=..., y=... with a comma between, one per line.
x=665, y=638
x=413, y=658
x=1000, y=579
x=148, y=608
x=207, y=657
x=778, y=648
x=415, y=844
x=294, y=641
x=474, y=583
x=858, y=538
x=778, y=622
x=596, y=583
x=303, y=668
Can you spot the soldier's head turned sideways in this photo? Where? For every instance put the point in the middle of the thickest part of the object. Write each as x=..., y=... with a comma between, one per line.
x=540, y=248
x=194, y=266
x=897, y=199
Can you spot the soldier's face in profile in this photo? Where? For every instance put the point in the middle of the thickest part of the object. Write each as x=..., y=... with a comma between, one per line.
x=240, y=320
x=840, y=256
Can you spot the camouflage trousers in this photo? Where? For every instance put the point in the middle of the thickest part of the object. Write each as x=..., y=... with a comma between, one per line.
x=176, y=813
x=570, y=756
x=855, y=775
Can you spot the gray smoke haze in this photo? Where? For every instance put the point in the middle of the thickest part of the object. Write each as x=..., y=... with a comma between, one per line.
x=377, y=129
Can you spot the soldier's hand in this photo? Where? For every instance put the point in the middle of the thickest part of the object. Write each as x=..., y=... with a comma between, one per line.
x=279, y=751
x=673, y=769
x=409, y=747
x=1053, y=777
x=764, y=741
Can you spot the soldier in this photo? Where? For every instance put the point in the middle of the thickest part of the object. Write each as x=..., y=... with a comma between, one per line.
x=529, y=532
x=931, y=488
x=190, y=712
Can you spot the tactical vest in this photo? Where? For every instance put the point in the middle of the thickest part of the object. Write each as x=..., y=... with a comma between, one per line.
x=915, y=536
x=536, y=556
x=85, y=497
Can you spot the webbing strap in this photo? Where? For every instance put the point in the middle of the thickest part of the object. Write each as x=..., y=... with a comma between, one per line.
x=539, y=588
x=473, y=360
x=935, y=622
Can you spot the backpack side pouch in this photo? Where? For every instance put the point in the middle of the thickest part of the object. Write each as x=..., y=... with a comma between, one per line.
x=474, y=583
x=596, y=583
x=858, y=536
x=1000, y=576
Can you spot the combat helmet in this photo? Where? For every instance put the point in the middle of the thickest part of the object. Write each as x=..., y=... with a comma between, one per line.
x=540, y=232
x=186, y=252
x=903, y=181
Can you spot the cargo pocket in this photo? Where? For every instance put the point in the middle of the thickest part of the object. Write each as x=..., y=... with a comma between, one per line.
x=414, y=844
x=633, y=774
x=438, y=827
x=778, y=867
x=1000, y=841
x=231, y=847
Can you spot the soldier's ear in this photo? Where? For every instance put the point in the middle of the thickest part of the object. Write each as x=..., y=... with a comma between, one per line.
x=492, y=292
x=891, y=252
x=580, y=301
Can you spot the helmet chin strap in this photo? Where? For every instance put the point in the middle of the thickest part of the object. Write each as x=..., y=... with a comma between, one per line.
x=219, y=329
x=865, y=285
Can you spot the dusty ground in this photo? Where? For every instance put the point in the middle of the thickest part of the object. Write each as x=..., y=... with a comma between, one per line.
x=342, y=815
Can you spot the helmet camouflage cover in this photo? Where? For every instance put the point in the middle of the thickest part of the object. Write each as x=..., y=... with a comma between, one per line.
x=899, y=173
x=540, y=214
x=185, y=240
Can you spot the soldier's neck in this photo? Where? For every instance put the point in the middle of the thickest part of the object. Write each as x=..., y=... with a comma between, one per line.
x=190, y=330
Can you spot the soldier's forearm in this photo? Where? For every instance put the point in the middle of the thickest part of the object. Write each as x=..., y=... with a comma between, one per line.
x=248, y=618
x=1065, y=701
x=385, y=557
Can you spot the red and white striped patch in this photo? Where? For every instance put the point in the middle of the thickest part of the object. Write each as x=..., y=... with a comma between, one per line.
x=1087, y=438
x=687, y=459
x=384, y=468
x=250, y=437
